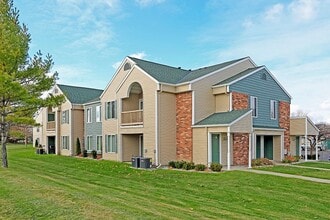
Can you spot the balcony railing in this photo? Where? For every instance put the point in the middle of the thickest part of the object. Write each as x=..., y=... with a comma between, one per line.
x=132, y=117
x=51, y=125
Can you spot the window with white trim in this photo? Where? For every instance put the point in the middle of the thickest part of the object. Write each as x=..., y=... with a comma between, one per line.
x=111, y=110
x=254, y=106
x=89, y=115
x=98, y=113
x=89, y=143
x=98, y=143
x=65, y=117
x=111, y=143
x=273, y=114
x=65, y=142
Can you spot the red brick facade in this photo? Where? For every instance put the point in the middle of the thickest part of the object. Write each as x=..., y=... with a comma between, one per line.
x=183, y=126
x=284, y=122
x=240, y=101
x=240, y=149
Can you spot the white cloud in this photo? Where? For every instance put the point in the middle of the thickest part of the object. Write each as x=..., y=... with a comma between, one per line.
x=325, y=105
x=304, y=9
x=145, y=3
x=274, y=12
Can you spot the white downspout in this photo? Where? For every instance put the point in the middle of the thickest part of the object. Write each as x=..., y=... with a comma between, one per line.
x=316, y=150
x=156, y=128
x=228, y=149
x=250, y=153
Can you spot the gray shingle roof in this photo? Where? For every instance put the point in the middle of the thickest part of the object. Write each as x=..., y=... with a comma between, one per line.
x=223, y=118
x=174, y=75
x=237, y=76
x=79, y=95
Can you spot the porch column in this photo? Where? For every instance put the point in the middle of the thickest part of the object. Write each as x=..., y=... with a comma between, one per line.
x=306, y=139
x=316, y=150
x=250, y=153
x=228, y=150
x=262, y=146
x=282, y=147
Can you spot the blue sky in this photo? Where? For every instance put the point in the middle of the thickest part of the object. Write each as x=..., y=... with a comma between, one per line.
x=88, y=39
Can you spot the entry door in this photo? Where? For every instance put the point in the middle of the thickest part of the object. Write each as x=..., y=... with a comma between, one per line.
x=258, y=146
x=216, y=148
x=141, y=149
x=268, y=146
x=297, y=146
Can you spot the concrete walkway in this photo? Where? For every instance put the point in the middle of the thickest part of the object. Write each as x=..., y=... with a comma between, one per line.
x=288, y=175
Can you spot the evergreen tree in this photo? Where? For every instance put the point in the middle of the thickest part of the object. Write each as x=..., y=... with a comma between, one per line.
x=23, y=79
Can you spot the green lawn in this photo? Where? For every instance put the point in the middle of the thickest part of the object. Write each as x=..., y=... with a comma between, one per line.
x=56, y=187
x=323, y=164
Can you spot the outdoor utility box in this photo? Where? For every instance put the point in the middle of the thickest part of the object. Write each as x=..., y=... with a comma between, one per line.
x=145, y=162
x=136, y=162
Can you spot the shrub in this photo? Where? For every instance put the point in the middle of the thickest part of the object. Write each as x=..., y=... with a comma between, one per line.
x=200, y=167
x=216, y=167
x=290, y=159
x=188, y=166
x=179, y=164
x=78, y=146
x=85, y=153
x=94, y=154
x=171, y=164
x=261, y=162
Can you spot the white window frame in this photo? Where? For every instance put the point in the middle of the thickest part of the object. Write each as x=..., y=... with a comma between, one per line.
x=99, y=143
x=89, y=143
x=65, y=142
x=111, y=144
x=89, y=115
x=254, y=106
x=65, y=117
x=273, y=111
x=98, y=113
x=111, y=110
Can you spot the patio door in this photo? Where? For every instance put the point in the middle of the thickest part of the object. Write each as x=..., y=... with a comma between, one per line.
x=215, y=148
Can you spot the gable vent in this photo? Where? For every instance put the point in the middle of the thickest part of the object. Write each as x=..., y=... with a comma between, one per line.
x=127, y=66
x=263, y=76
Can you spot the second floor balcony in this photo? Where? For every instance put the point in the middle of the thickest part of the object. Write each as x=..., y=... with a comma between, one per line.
x=132, y=117
x=51, y=126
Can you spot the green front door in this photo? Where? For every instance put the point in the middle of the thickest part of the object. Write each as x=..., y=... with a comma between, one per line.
x=268, y=147
x=297, y=146
x=215, y=148
x=258, y=147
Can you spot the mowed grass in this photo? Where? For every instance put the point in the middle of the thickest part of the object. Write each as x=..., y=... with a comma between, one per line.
x=57, y=187
x=321, y=164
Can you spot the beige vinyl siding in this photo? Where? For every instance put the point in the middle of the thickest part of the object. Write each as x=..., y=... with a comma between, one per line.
x=200, y=145
x=167, y=127
x=293, y=146
x=65, y=129
x=222, y=103
x=224, y=148
x=219, y=90
x=204, y=99
x=243, y=126
x=277, y=148
x=297, y=127
x=131, y=143
x=77, y=127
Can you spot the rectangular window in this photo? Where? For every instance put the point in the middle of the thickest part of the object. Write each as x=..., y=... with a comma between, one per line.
x=89, y=143
x=65, y=117
x=111, y=143
x=51, y=116
x=273, y=109
x=89, y=115
x=254, y=106
x=65, y=142
x=111, y=110
x=98, y=143
x=98, y=113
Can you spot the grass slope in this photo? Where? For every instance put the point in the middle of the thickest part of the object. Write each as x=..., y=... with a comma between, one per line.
x=321, y=164
x=56, y=187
